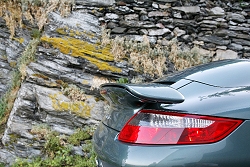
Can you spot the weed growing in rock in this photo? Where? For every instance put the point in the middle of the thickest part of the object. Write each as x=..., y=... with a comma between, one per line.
x=3, y=105
x=78, y=136
x=27, y=56
x=105, y=33
x=74, y=93
x=35, y=33
x=147, y=59
x=122, y=80
x=53, y=144
x=137, y=79
x=142, y=57
x=35, y=11
x=58, y=149
x=183, y=59
x=4, y=57
x=97, y=81
x=40, y=131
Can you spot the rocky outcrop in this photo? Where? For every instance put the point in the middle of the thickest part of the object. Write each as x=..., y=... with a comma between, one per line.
x=60, y=88
x=9, y=53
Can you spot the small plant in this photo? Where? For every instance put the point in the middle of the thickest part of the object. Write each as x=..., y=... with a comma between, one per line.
x=117, y=48
x=78, y=136
x=137, y=79
x=183, y=59
x=62, y=84
x=97, y=81
x=3, y=105
x=122, y=80
x=105, y=33
x=27, y=57
x=52, y=145
x=243, y=4
x=40, y=131
x=74, y=93
x=35, y=33
x=37, y=2
x=147, y=59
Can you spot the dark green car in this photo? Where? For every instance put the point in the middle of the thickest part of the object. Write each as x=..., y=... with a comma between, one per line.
x=199, y=117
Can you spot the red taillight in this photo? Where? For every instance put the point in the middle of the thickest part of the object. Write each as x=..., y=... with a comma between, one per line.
x=154, y=127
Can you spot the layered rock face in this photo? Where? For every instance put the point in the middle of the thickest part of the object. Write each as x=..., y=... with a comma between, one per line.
x=70, y=58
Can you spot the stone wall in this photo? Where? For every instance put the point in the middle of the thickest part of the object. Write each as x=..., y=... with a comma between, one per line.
x=219, y=26
x=70, y=54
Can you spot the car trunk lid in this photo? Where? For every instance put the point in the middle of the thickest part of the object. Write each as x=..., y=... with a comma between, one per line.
x=225, y=73
x=127, y=99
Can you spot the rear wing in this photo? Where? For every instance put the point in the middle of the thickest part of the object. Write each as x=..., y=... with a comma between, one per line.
x=149, y=92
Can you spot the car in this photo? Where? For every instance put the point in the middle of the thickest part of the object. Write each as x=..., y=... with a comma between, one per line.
x=198, y=117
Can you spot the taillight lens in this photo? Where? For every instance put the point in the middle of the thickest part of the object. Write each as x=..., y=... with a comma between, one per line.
x=155, y=127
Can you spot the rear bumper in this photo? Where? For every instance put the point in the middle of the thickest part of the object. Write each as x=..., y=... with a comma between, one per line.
x=231, y=151
x=100, y=163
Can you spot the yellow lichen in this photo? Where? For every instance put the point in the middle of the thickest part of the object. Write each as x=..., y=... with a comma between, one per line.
x=51, y=84
x=80, y=108
x=78, y=33
x=61, y=31
x=20, y=40
x=61, y=83
x=77, y=48
x=13, y=64
x=73, y=33
x=85, y=82
x=41, y=76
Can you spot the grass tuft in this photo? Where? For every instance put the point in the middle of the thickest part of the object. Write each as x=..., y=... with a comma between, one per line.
x=186, y=58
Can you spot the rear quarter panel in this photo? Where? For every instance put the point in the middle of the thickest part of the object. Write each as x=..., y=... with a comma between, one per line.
x=209, y=100
x=232, y=151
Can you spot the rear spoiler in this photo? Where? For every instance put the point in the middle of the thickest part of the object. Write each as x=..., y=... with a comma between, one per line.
x=149, y=92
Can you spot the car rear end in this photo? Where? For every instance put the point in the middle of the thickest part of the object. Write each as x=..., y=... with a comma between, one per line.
x=177, y=122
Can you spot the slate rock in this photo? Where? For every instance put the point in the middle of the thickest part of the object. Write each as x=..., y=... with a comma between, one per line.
x=225, y=54
x=214, y=39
